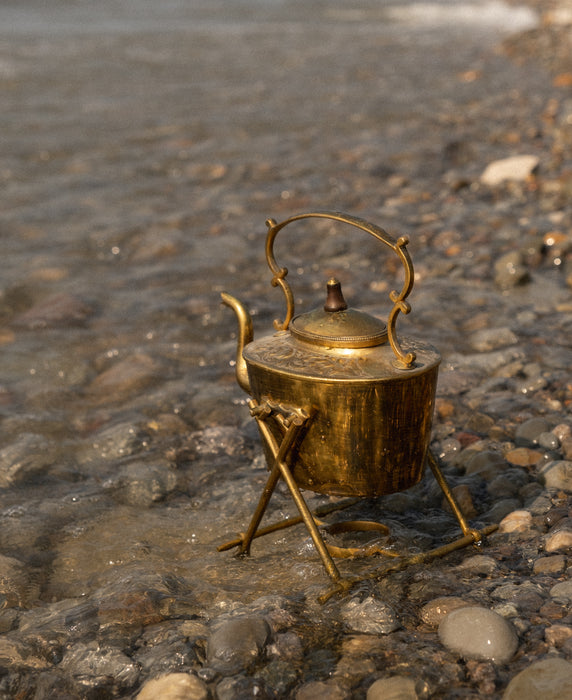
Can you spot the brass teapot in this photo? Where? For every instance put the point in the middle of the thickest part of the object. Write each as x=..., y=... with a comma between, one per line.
x=343, y=405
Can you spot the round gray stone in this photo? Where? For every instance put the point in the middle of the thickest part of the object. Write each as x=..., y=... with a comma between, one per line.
x=549, y=679
x=478, y=633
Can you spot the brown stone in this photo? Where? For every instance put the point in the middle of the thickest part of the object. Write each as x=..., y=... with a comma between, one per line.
x=553, y=610
x=550, y=565
x=125, y=378
x=435, y=610
x=59, y=310
x=523, y=457
x=557, y=635
x=464, y=499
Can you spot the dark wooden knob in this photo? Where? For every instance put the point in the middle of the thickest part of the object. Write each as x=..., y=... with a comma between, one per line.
x=335, y=300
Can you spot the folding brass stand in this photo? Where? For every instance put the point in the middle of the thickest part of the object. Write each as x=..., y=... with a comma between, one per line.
x=292, y=422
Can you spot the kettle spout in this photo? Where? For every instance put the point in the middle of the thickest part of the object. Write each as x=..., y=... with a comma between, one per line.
x=245, y=336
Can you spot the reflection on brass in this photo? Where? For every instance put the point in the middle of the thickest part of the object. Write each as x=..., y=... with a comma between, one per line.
x=343, y=407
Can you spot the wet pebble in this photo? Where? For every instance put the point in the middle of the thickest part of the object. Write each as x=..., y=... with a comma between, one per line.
x=112, y=442
x=487, y=463
x=174, y=686
x=562, y=590
x=16, y=586
x=237, y=643
x=501, y=509
x=17, y=654
x=394, y=688
x=492, y=637
x=287, y=645
x=95, y=667
x=278, y=677
x=462, y=494
x=558, y=475
x=241, y=688
x=369, y=616
x=561, y=539
x=517, y=521
x=321, y=690
x=529, y=432
x=549, y=679
x=549, y=441
x=511, y=270
x=512, y=168
x=557, y=635
x=125, y=378
x=487, y=361
x=141, y=484
x=58, y=310
x=488, y=339
x=218, y=440
x=506, y=485
x=433, y=612
x=477, y=565
x=27, y=457
x=523, y=457
x=550, y=565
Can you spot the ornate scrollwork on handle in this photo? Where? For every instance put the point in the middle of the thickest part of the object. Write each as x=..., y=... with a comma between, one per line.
x=404, y=360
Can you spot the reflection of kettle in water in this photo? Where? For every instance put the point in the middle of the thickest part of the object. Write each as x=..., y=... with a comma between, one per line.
x=341, y=407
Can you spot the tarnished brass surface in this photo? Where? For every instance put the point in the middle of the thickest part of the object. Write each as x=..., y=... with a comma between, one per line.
x=336, y=326
x=366, y=437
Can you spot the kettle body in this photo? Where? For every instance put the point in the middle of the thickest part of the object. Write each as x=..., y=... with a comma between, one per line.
x=369, y=402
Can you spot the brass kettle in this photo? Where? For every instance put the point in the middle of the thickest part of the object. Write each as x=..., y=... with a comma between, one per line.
x=344, y=408
x=367, y=403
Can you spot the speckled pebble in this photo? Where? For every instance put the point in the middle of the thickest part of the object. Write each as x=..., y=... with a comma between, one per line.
x=478, y=633
x=549, y=679
x=558, y=475
x=517, y=521
x=394, y=688
x=174, y=686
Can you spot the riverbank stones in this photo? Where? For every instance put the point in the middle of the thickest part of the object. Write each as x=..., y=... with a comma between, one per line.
x=475, y=632
x=549, y=679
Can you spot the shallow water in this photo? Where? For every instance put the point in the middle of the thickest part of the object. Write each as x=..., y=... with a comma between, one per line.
x=144, y=146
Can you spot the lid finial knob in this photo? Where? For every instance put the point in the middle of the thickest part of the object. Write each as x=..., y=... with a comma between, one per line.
x=335, y=300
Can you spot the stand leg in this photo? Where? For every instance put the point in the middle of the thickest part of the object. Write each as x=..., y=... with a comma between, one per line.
x=440, y=478
x=246, y=539
x=287, y=442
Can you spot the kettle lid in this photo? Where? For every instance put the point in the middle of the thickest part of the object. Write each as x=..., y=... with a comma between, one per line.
x=338, y=326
